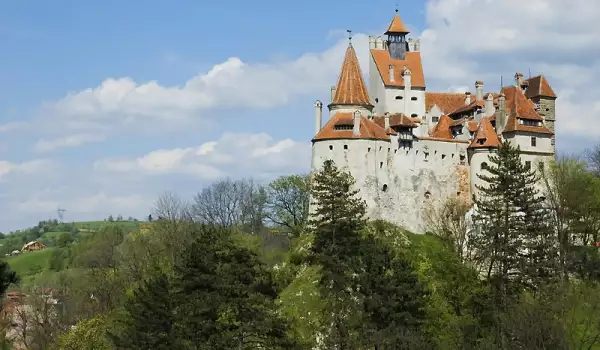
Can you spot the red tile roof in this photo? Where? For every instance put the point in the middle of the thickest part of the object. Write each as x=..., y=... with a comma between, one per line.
x=513, y=125
x=519, y=105
x=412, y=61
x=351, y=87
x=368, y=129
x=539, y=86
x=397, y=119
x=485, y=136
x=442, y=128
x=447, y=101
x=397, y=26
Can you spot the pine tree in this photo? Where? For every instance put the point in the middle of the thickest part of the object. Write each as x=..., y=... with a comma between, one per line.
x=226, y=297
x=148, y=319
x=338, y=218
x=514, y=240
x=394, y=299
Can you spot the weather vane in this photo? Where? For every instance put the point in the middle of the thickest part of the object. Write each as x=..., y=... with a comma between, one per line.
x=349, y=34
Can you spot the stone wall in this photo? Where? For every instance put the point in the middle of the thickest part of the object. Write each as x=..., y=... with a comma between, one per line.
x=398, y=183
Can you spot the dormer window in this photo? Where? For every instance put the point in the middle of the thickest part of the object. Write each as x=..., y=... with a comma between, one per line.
x=343, y=127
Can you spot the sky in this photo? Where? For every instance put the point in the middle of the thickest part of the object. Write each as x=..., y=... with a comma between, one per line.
x=106, y=105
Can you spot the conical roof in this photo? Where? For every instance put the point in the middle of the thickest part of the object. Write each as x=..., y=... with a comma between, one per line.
x=351, y=88
x=397, y=26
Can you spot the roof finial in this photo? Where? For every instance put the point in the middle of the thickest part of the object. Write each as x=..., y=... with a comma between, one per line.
x=349, y=34
x=396, y=7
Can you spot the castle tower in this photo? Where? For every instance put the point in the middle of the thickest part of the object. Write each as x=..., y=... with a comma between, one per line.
x=396, y=42
x=540, y=92
x=351, y=92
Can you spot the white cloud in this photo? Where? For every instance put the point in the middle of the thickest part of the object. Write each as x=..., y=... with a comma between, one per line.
x=75, y=140
x=232, y=155
x=118, y=102
x=37, y=166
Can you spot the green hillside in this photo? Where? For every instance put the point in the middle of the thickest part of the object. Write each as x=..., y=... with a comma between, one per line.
x=30, y=263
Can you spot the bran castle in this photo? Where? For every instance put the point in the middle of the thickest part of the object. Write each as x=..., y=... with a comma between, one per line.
x=409, y=148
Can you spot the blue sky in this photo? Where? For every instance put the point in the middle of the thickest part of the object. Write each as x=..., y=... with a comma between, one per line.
x=106, y=105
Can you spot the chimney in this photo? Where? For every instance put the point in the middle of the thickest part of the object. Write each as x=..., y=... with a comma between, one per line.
x=372, y=44
x=519, y=79
x=391, y=71
x=386, y=118
x=356, y=128
x=479, y=90
x=489, y=105
x=418, y=45
x=406, y=75
x=318, y=116
x=333, y=88
x=467, y=98
x=502, y=103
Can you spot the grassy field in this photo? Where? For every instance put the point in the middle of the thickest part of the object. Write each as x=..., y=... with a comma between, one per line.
x=30, y=263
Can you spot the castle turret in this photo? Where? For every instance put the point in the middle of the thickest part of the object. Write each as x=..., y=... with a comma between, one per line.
x=396, y=43
x=351, y=92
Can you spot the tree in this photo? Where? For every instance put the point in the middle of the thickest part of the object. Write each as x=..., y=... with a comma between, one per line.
x=225, y=297
x=394, y=299
x=573, y=197
x=229, y=203
x=64, y=239
x=148, y=319
x=288, y=199
x=338, y=220
x=513, y=239
x=447, y=220
x=89, y=334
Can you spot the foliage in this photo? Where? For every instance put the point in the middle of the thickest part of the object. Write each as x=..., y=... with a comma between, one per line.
x=89, y=334
x=513, y=239
x=337, y=226
x=225, y=297
x=148, y=320
x=288, y=198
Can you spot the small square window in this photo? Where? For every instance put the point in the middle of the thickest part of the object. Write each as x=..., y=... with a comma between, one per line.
x=331, y=147
x=345, y=146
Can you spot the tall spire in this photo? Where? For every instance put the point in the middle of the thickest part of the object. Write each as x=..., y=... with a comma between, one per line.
x=351, y=88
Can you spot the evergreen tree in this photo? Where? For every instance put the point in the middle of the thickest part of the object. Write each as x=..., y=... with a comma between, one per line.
x=394, y=299
x=338, y=219
x=514, y=240
x=225, y=297
x=148, y=319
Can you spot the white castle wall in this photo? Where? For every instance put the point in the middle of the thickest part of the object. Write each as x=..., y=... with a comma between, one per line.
x=399, y=183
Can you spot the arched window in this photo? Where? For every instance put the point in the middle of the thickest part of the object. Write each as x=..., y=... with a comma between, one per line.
x=427, y=195
x=384, y=188
x=484, y=166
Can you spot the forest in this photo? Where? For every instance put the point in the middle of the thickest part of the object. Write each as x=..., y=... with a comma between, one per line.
x=243, y=266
